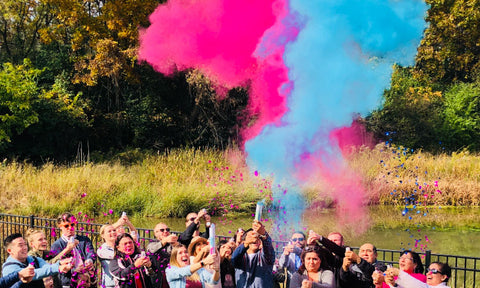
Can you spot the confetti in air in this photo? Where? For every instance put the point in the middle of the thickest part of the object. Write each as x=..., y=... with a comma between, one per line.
x=311, y=68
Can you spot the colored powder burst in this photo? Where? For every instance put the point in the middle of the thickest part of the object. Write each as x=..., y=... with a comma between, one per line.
x=311, y=68
x=339, y=65
x=221, y=39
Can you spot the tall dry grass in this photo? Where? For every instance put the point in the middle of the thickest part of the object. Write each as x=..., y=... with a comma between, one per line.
x=395, y=175
x=163, y=185
x=187, y=180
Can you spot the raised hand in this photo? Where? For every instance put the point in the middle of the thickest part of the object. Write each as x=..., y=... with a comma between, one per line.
x=26, y=274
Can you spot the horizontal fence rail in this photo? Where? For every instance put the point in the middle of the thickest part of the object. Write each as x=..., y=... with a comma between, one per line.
x=465, y=269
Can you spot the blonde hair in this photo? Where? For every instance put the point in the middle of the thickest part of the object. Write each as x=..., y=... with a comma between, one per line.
x=30, y=232
x=174, y=262
x=102, y=229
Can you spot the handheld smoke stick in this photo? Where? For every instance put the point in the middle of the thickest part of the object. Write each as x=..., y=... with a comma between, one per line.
x=211, y=238
x=258, y=211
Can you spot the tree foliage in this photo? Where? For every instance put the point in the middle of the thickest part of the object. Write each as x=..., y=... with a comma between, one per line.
x=462, y=116
x=18, y=91
x=411, y=114
x=450, y=50
x=43, y=121
x=81, y=84
x=21, y=23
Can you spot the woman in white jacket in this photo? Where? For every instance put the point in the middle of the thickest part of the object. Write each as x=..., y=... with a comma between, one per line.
x=438, y=274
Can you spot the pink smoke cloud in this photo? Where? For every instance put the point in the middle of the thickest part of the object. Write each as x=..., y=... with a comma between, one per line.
x=222, y=39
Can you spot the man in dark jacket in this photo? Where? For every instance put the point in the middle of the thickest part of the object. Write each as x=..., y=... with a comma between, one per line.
x=83, y=255
x=357, y=270
x=334, y=244
x=254, y=258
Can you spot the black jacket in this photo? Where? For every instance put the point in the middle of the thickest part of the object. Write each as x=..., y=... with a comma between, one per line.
x=124, y=272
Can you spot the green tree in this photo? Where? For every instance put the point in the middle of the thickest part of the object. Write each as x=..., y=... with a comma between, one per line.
x=411, y=114
x=450, y=50
x=462, y=116
x=21, y=23
x=18, y=91
x=38, y=122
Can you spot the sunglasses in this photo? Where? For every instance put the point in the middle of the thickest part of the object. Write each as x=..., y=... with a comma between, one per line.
x=433, y=271
x=297, y=239
x=191, y=219
x=311, y=249
x=164, y=229
x=68, y=225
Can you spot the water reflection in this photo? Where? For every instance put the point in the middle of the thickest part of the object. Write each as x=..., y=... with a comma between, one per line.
x=445, y=231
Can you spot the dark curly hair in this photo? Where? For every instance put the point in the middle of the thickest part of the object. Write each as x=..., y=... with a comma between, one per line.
x=120, y=254
x=321, y=253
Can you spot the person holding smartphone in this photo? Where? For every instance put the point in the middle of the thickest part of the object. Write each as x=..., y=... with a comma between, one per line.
x=130, y=268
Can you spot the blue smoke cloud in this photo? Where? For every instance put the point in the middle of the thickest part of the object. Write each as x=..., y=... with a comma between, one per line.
x=340, y=64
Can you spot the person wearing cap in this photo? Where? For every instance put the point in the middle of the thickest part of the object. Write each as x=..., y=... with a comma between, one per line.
x=83, y=254
x=198, y=250
x=254, y=259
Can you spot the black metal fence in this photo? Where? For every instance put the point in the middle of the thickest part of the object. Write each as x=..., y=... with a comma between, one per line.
x=465, y=269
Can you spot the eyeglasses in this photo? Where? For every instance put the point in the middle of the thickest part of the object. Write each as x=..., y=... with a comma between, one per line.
x=297, y=239
x=164, y=229
x=68, y=225
x=405, y=258
x=433, y=271
x=191, y=219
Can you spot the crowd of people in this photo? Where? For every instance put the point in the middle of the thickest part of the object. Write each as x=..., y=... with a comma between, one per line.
x=191, y=260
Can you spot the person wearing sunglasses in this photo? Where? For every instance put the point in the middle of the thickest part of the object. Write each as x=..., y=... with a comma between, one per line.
x=409, y=262
x=83, y=254
x=192, y=224
x=291, y=260
x=438, y=274
x=161, y=249
x=314, y=271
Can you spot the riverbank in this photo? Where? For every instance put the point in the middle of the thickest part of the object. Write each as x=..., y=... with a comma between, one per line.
x=180, y=181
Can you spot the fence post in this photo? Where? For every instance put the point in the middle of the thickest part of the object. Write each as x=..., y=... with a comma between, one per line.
x=428, y=259
x=32, y=221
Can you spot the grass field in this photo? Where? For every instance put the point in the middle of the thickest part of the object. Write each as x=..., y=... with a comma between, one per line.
x=180, y=181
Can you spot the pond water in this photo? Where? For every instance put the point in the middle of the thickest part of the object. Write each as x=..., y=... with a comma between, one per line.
x=454, y=232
